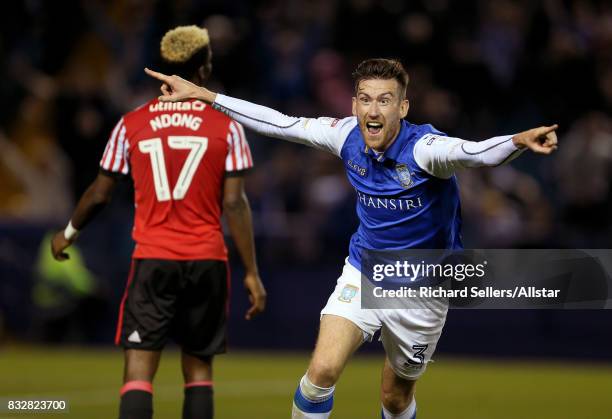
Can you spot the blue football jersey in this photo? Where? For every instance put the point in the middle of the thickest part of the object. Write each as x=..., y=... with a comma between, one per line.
x=400, y=206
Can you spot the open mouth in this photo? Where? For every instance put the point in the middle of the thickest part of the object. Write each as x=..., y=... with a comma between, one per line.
x=374, y=128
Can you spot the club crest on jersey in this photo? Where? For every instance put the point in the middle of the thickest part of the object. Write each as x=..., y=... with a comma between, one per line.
x=403, y=175
x=348, y=293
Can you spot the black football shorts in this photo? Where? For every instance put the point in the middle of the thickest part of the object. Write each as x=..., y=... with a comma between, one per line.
x=183, y=300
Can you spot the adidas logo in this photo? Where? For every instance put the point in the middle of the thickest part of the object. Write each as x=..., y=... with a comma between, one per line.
x=134, y=337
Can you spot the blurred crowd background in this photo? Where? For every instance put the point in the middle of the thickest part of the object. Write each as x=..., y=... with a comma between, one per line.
x=478, y=69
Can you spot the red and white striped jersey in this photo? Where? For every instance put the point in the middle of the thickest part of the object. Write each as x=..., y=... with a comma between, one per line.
x=178, y=155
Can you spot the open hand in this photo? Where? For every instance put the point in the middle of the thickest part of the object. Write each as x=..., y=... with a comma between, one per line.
x=542, y=140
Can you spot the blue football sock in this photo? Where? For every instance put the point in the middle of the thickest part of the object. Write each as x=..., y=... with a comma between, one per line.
x=311, y=401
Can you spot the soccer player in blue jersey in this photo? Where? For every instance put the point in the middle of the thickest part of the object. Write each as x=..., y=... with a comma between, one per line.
x=407, y=197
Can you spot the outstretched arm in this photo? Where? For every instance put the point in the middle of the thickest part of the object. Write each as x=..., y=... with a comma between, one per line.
x=238, y=215
x=324, y=133
x=442, y=156
x=95, y=198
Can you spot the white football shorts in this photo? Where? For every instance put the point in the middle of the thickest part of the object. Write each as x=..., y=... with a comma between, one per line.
x=409, y=336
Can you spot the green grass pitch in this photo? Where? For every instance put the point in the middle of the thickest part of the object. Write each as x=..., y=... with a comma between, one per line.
x=260, y=385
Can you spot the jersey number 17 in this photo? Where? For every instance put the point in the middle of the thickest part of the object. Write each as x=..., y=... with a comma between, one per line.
x=153, y=147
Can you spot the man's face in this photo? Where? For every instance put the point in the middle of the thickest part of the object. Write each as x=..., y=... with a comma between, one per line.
x=379, y=107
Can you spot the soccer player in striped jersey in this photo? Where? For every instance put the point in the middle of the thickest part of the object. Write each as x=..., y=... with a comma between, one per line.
x=407, y=197
x=187, y=161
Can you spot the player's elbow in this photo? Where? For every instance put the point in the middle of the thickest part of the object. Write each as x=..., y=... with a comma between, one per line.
x=101, y=198
x=98, y=195
x=235, y=203
x=100, y=192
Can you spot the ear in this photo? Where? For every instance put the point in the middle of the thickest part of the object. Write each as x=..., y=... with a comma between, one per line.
x=354, y=106
x=204, y=72
x=404, y=106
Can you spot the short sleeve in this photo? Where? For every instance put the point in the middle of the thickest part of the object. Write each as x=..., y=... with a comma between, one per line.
x=239, y=156
x=115, y=159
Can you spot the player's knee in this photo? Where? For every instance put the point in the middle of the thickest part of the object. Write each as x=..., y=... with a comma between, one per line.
x=140, y=365
x=196, y=368
x=139, y=372
x=323, y=373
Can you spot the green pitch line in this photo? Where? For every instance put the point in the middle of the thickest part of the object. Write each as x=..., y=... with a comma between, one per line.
x=260, y=386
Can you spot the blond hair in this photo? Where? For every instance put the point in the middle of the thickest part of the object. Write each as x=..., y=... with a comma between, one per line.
x=180, y=44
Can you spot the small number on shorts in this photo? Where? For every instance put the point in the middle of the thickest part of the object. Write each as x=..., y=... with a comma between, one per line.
x=419, y=353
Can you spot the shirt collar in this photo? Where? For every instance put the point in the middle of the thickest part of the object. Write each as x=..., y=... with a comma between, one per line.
x=392, y=152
